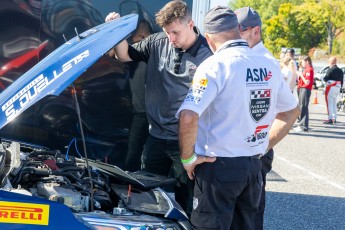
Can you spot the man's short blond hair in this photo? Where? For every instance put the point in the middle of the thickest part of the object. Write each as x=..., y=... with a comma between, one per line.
x=332, y=60
x=172, y=11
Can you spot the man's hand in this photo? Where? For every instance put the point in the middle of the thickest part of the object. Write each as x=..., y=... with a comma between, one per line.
x=200, y=160
x=112, y=16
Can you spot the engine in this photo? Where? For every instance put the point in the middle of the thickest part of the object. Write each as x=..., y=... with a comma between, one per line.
x=94, y=195
x=57, y=177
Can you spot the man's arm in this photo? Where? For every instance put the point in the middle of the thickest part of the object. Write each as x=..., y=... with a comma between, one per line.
x=305, y=80
x=121, y=50
x=328, y=74
x=282, y=125
x=188, y=129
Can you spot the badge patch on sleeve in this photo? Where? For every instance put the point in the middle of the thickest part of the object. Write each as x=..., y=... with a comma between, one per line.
x=259, y=103
x=197, y=90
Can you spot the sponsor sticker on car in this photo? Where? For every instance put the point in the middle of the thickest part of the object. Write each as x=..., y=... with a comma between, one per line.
x=24, y=213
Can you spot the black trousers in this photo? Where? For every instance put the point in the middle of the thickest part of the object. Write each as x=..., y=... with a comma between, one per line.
x=138, y=133
x=303, y=103
x=163, y=157
x=266, y=162
x=227, y=193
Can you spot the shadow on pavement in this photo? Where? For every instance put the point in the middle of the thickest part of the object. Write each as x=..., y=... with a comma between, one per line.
x=299, y=211
x=328, y=134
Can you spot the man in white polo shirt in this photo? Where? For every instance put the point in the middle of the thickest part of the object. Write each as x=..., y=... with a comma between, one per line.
x=250, y=30
x=238, y=107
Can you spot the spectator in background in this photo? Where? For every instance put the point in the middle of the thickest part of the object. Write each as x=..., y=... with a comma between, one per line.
x=286, y=71
x=305, y=85
x=334, y=82
x=293, y=67
x=139, y=130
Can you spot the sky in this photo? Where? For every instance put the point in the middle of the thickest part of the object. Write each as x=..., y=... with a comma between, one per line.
x=219, y=3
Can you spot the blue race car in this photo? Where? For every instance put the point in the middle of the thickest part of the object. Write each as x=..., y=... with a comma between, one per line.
x=60, y=167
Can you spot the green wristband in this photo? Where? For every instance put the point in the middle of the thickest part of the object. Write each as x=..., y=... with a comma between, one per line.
x=190, y=160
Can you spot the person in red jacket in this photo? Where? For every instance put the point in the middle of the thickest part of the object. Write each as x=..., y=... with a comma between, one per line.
x=305, y=85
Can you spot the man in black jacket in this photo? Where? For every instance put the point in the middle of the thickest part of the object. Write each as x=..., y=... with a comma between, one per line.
x=334, y=82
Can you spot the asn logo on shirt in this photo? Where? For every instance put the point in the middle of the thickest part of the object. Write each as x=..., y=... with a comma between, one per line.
x=258, y=76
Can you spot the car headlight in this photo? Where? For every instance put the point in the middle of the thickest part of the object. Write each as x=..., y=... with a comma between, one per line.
x=101, y=220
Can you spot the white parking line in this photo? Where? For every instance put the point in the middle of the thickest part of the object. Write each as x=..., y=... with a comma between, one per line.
x=317, y=176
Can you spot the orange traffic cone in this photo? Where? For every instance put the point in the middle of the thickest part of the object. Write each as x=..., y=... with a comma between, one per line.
x=315, y=101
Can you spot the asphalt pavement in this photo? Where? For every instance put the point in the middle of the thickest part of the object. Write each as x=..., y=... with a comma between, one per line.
x=306, y=187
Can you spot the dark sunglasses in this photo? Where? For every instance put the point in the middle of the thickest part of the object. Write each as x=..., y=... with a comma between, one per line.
x=243, y=28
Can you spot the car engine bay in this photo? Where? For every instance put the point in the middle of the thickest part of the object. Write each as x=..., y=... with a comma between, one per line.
x=39, y=172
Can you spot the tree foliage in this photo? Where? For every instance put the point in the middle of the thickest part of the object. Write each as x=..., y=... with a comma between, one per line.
x=294, y=26
x=331, y=13
x=298, y=23
x=266, y=8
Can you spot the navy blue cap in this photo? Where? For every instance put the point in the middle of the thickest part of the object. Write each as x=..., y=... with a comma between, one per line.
x=248, y=17
x=219, y=19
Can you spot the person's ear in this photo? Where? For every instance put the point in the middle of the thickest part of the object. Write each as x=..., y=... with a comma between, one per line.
x=191, y=24
x=210, y=43
x=256, y=31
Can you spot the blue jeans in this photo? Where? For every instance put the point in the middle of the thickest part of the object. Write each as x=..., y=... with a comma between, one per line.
x=163, y=157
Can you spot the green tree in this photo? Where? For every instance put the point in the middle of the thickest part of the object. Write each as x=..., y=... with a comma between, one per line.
x=309, y=28
x=266, y=8
x=298, y=23
x=294, y=26
x=331, y=14
x=277, y=29
x=236, y=4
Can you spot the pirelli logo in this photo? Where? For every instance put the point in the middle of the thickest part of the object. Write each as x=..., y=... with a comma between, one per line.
x=24, y=213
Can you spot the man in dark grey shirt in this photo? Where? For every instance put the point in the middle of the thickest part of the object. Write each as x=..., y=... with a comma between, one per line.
x=172, y=57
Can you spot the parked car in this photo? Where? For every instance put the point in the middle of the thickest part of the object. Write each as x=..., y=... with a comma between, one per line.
x=46, y=181
x=319, y=76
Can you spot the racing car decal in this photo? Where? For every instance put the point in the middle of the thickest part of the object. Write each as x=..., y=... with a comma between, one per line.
x=24, y=213
x=61, y=67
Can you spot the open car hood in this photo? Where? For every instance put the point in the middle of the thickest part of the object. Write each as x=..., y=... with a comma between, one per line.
x=59, y=69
